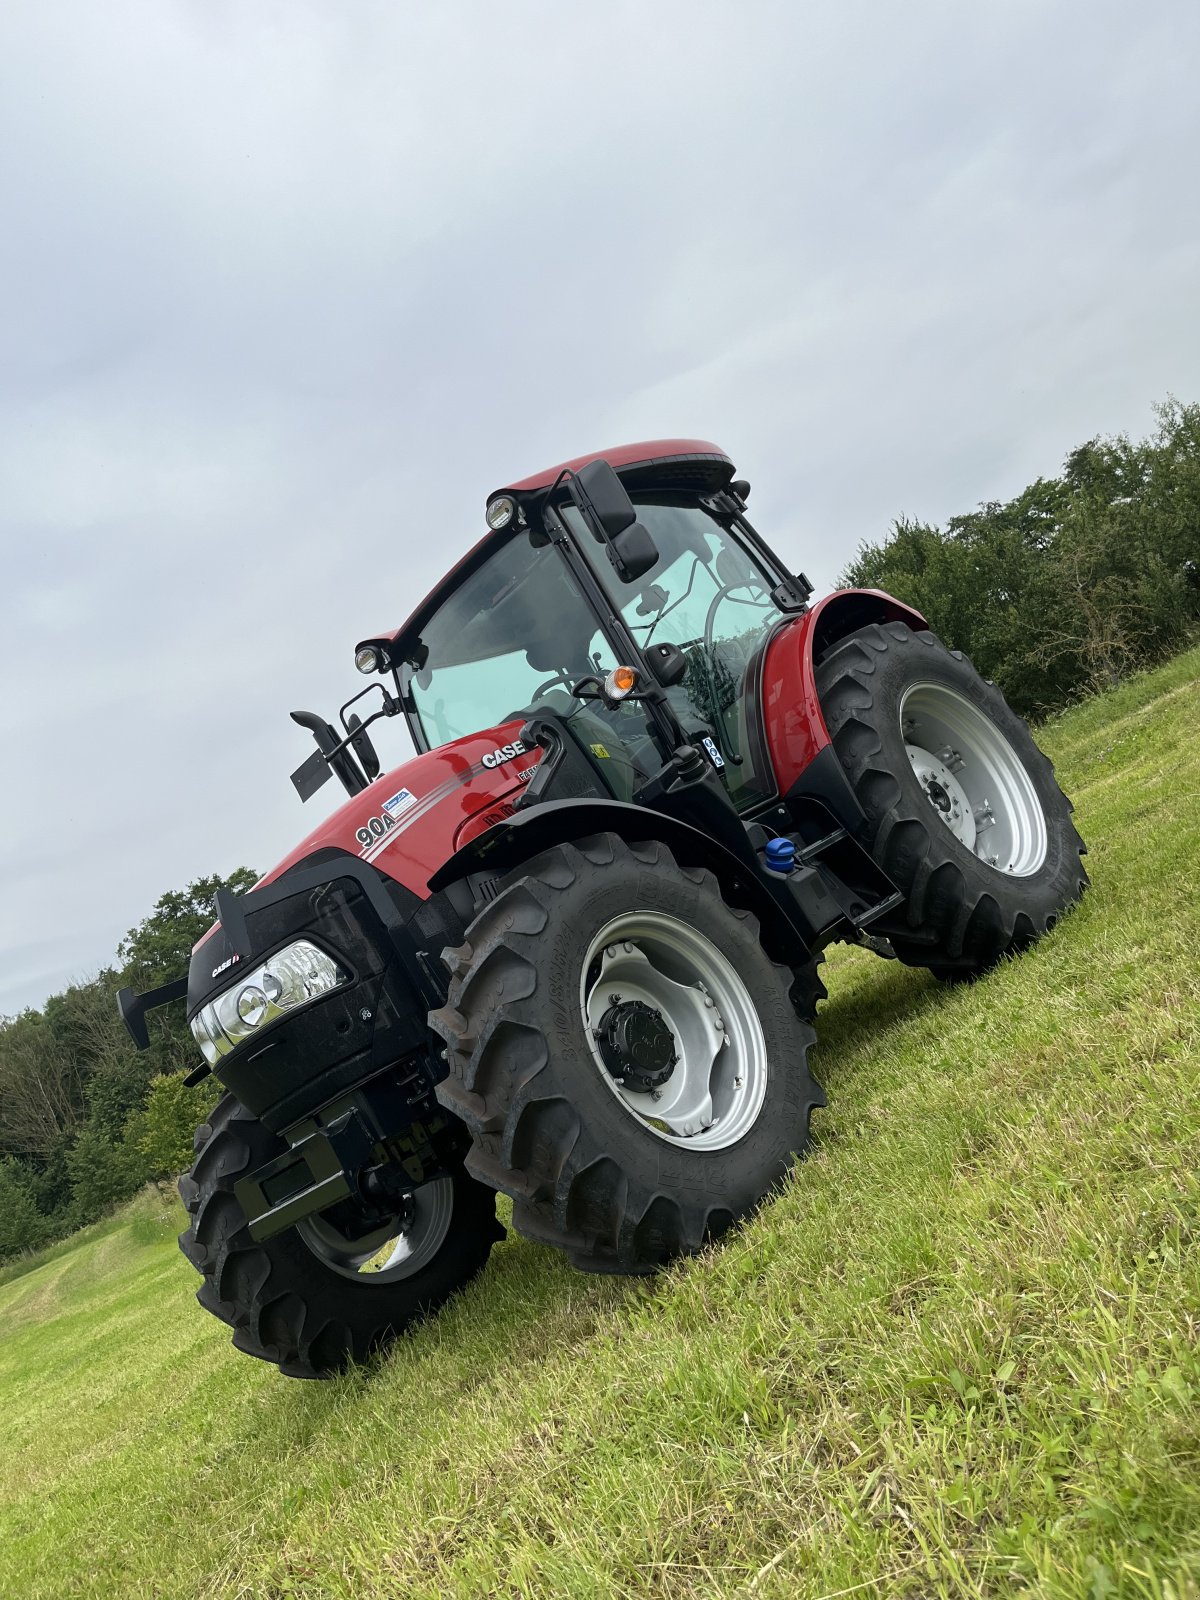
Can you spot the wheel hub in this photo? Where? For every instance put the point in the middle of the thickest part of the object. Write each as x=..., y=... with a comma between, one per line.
x=935, y=774
x=398, y=1248
x=973, y=778
x=673, y=1029
x=637, y=1046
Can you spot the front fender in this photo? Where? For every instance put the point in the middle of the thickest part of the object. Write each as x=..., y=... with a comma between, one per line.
x=793, y=926
x=793, y=722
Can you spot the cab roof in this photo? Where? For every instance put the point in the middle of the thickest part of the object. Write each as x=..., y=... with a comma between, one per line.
x=661, y=463
x=667, y=464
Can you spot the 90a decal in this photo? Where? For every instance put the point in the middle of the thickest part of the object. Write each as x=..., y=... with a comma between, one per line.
x=374, y=829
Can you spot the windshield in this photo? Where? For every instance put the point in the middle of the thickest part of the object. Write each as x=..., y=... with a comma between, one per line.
x=514, y=632
x=707, y=595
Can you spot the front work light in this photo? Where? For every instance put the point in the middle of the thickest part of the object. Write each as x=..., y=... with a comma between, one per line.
x=288, y=979
x=500, y=512
x=367, y=659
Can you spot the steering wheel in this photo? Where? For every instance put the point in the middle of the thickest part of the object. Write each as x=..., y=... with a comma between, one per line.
x=559, y=680
x=723, y=593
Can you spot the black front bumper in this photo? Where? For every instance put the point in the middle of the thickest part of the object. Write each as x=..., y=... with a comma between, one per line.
x=381, y=935
x=347, y=1080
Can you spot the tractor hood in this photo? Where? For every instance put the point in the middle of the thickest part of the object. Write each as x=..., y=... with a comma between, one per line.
x=412, y=819
x=405, y=824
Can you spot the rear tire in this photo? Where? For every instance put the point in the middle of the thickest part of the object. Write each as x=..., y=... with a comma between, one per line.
x=295, y=1299
x=981, y=843
x=620, y=1177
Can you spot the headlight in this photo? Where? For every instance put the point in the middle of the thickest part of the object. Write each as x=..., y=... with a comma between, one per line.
x=288, y=979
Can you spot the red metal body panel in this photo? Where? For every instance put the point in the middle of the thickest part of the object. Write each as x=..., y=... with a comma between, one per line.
x=449, y=787
x=794, y=724
x=621, y=455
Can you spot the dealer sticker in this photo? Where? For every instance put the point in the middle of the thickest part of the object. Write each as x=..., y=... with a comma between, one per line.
x=399, y=802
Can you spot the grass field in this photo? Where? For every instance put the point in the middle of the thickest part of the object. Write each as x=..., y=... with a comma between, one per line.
x=958, y=1356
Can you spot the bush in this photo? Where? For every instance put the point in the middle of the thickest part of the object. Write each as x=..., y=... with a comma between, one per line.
x=162, y=1130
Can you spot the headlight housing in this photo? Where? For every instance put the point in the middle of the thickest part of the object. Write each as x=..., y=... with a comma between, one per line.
x=290, y=978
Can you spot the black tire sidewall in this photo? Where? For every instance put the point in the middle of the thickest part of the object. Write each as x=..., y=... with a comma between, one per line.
x=911, y=659
x=734, y=1177
x=285, y=1265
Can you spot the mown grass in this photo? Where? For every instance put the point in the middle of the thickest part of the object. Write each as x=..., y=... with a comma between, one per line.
x=958, y=1356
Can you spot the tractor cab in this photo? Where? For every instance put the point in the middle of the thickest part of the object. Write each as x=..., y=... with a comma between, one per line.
x=629, y=608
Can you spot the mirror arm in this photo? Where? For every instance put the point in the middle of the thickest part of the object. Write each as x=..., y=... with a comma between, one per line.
x=356, y=733
x=390, y=708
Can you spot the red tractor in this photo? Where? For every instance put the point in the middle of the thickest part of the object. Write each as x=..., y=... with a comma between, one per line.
x=569, y=950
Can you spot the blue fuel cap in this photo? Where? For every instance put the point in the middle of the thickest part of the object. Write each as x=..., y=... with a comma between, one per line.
x=781, y=855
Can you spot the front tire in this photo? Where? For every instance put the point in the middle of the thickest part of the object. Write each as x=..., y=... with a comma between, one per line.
x=313, y=1300
x=963, y=809
x=629, y=1061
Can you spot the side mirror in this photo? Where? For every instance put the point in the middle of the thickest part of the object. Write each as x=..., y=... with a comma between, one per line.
x=609, y=513
x=602, y=501
x=633, y=553
x=363, y=746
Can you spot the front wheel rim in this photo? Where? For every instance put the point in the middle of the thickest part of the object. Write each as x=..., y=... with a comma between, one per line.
x=714, y=1093
x=974, y=780
x=399, y=1249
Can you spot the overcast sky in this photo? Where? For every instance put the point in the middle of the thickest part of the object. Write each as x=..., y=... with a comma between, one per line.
x=287, y=287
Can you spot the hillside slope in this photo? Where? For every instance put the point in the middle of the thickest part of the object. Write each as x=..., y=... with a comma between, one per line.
x=958, y=1356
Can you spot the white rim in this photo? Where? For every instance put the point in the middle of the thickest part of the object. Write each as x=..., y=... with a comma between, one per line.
x=974, y=780
x=716, y=1088
x=397, y=1250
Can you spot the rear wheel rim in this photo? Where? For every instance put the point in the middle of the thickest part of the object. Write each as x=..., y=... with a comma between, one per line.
x=974, y=780
x=714, y=1093
x=398, y=1249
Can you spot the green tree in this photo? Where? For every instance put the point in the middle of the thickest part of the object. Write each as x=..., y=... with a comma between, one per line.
x=83, y=1121
x=22, y=1225
x=103, y=1172
x=159, y=950
x=1073, y=583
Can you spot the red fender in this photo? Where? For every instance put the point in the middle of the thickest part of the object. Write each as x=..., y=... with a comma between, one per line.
x=792, y=717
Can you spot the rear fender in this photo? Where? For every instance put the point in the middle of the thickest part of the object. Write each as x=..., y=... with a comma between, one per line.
x=510, y=843
x=793, y=722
